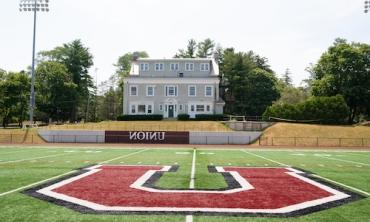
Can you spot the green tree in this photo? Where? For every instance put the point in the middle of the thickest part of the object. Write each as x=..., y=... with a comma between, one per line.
x=55, y=90
x=287, y=77
x=77, y=59
x=248, y=88
x=293, y=95
x=345, y=69
x=190, y=50
x=205, y=48
x=14, y=92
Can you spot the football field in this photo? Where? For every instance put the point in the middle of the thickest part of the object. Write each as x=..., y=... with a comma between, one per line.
x=29, y=174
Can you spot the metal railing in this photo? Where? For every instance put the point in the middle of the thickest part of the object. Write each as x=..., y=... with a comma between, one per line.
x=314, y=142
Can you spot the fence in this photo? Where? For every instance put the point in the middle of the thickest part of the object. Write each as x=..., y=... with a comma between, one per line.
x=314, y=142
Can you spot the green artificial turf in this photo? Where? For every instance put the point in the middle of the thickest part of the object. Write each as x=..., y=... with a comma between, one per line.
x=20, y=166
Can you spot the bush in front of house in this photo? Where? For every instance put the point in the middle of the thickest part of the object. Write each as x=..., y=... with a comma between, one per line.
x=209, y=117
x=183, y=117
x=153, y=117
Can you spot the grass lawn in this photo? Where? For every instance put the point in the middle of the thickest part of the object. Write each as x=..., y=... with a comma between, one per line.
x=292, y=134
x=21, y=166
x=147, y=126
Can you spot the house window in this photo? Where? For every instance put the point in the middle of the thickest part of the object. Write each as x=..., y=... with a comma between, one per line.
x=204, y=67
x=189, y=66
x=192, y=91
x=150, y=110
x=133, y=109
x=209, y=91
x=141, y=109
x=192, y=108
x=174, y=66
x=171, y=90
x=208, y=108
x=161, y=107
x=133, y=91
x=159, y=67
x=150, y=91
x=180, y=107
x=144, y=67
x=200, y=108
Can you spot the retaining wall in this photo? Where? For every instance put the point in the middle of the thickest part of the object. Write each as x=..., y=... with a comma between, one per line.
x=160, y=137
x=248, y=125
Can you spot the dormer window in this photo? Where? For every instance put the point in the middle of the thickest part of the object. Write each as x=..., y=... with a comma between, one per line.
x=159, y=67
x=204, y=67
x=174, y=67
x=144, y=67
x=189, y=66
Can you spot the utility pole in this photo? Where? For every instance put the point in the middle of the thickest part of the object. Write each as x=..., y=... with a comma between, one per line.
x=33, y=6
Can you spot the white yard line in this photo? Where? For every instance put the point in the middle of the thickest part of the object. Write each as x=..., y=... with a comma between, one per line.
x=347, y=161
x=265, y=158
x=19, y=151
x=189, y=218
x=343, y=185
x=35, y=158
x=73, y=171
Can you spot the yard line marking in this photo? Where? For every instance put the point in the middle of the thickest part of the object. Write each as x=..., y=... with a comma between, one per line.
x=192, y=176
x=282, y=164
x=341, y=184
x=58, y=176
x=123, y=156
x=19, y=151
x=189, y=218
x=36, y=158
x=347, y=161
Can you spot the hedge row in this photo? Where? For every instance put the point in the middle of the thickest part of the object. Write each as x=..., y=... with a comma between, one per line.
x=331, y=110
x=139, y=117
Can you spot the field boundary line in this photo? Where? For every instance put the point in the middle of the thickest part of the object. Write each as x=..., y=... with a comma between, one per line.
x=341, y=184
x=265, y=158
x=347, y=161
x=19, y=151
x=35, y=158
x=70, y=172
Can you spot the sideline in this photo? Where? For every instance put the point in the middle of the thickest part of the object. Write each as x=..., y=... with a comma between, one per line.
x=70, y=172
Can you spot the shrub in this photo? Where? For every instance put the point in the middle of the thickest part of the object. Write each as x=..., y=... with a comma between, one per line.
x=209, y=117
x=329, y=110
x=140, y=117
x=183, y=117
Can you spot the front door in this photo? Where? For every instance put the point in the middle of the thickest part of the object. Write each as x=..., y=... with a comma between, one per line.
x=170, y=111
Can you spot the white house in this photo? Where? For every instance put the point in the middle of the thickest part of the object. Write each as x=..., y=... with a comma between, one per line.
x=173, y=86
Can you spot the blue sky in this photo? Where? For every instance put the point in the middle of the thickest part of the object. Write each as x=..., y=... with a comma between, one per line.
x=290, y=33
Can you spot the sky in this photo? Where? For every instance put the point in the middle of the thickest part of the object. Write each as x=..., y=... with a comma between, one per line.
x=289, y=33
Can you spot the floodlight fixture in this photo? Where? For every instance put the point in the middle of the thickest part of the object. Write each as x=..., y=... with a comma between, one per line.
x=33, y=6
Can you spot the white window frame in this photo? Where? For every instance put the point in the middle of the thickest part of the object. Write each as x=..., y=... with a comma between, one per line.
x=147, y=90
x=204, y=67
x=205, y=91
x=132, y=109
x=166, y=90
x=160, y=107
x=151, y=108
x=195, y=90
x=175, y=65
x=134, y=106
x=188, y=68
x=180, y=107
x=160, y=68
x=137, y=90
x=144, y=67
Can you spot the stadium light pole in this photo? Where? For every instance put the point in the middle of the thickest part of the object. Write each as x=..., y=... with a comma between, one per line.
x=367, y=6
x=33, y=6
